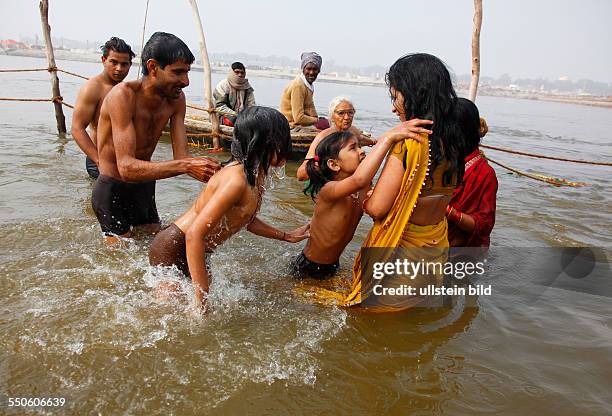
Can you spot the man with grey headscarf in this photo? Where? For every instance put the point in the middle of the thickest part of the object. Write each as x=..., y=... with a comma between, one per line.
x=233, y=95
x=297, y=102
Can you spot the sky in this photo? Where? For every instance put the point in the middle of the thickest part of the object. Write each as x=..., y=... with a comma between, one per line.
x=523, y=38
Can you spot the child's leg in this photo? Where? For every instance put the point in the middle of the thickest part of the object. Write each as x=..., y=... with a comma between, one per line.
x=168, y=249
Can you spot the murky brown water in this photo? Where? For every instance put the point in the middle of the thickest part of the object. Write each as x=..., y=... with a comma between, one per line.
x=80, y=321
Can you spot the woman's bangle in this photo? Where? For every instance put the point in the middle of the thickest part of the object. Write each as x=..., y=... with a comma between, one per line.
x=458, y=216
x=453, y=215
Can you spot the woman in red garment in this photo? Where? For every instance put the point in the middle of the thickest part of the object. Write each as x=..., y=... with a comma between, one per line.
x=471, y=210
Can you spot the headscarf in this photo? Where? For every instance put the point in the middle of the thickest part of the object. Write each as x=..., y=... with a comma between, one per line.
x=236, y=82
x=311, y=58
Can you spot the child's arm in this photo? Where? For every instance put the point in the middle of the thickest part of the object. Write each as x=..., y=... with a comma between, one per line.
x=260, y=228
x=369, y=166
x=363, y=140
x=224, y=198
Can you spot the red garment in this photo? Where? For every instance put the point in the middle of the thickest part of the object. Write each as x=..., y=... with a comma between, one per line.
x=476, y=196
x=226, y=122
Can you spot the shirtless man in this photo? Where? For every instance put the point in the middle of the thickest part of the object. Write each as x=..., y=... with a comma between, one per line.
x=116, y=61
x=132, y=118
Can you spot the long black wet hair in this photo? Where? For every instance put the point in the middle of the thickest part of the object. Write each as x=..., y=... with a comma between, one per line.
x=466, y=123
x=427, y=88
x=260, y=133
x=318, y=171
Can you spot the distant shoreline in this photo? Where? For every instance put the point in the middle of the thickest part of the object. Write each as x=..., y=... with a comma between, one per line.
x=592, y=101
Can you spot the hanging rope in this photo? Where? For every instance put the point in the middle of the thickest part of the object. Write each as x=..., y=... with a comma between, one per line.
x=45, y=69
x=39, y=100
x=24, y=70
x=200, y=134
x=516, y=152
x=195, y=144
x=144, y=25
x=73, y=74
x=191, y=105
x=197, y=107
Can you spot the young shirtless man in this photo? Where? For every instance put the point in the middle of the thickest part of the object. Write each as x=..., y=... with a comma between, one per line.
x=132, y=118
x=116, y=62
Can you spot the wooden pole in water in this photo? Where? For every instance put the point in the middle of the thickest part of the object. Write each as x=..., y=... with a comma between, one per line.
x=207, y=76
x=59, y=112
x=144, y=28
x=476, y=50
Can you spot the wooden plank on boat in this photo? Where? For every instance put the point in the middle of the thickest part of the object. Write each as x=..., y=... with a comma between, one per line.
x=199, y=126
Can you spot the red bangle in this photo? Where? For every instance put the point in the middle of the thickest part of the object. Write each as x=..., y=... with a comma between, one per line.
x=457, y=216
x=454, y=218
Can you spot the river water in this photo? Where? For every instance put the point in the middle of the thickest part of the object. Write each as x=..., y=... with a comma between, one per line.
x=81, y=321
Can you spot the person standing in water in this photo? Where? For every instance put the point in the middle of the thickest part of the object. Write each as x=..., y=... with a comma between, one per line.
x=116, y=62
x=471, y=210
x=132, y=118
x=340, y=177
x=230, y=202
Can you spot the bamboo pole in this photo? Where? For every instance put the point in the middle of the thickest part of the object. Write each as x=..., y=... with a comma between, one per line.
x=476, y=50
x=59, y=112
x=207, y=76
x=144, y=28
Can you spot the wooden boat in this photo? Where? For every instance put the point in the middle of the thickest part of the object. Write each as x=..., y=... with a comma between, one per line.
x=199, y=129
x=199, y=133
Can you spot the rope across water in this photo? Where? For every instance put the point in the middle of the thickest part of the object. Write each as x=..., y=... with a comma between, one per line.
x=516, y=152
x=190, y=105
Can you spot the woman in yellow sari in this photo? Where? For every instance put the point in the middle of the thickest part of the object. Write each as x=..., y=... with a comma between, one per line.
x=408, y=203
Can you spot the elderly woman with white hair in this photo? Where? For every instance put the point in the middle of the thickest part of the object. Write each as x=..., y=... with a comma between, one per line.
x=341, y=113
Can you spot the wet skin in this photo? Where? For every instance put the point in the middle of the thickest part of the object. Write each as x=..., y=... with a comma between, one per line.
x=116, y=67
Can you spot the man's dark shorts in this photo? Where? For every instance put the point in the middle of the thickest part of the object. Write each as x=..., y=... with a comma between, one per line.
x=121, y=205
x=92, y=168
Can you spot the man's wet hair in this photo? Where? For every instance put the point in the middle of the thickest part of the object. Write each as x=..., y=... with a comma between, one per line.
x=118, y=45
x=238, y=65
x=259, y=134
x=166, y=49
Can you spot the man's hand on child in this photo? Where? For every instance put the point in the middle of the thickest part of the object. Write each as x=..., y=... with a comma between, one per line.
x=411, y=129
x=298, y=234
x=202, y=168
